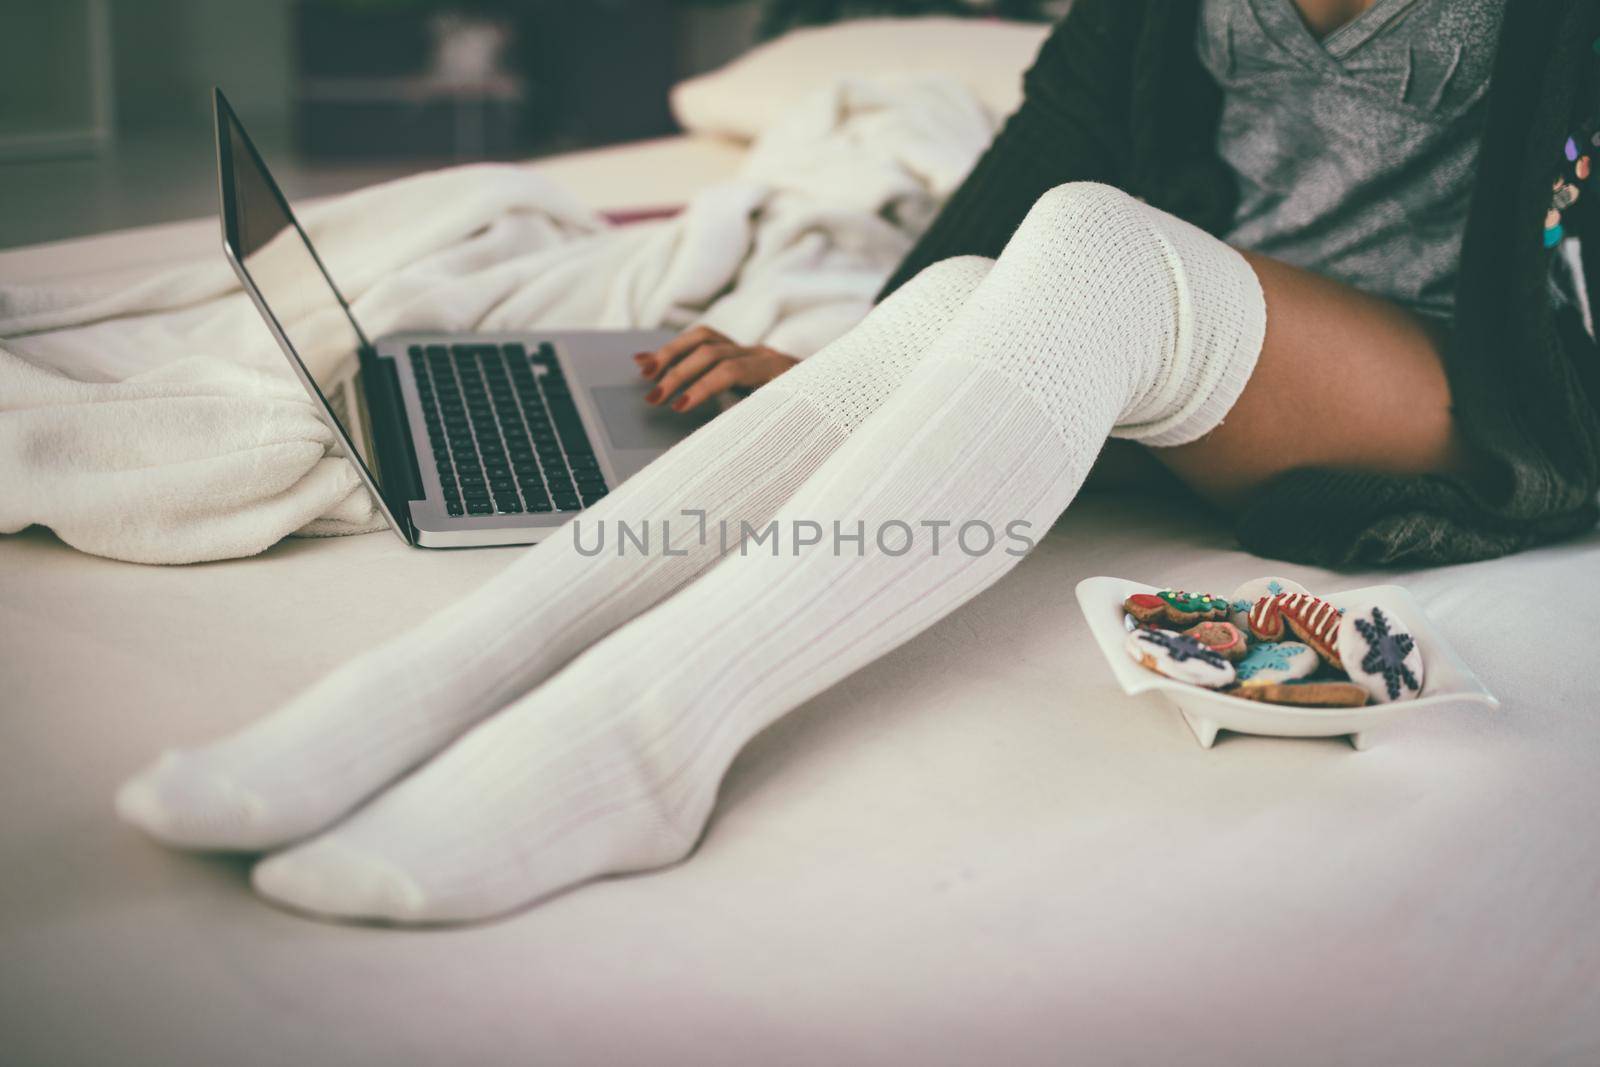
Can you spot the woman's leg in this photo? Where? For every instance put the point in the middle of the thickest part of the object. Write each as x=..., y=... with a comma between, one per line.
x=1102, y=312
x=299, y=769
x=1345, y=380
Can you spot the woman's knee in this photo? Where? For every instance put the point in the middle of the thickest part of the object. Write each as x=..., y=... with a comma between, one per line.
x=1085, y=214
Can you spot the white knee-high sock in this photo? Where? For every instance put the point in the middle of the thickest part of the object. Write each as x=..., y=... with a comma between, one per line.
x=299, y=769
x=1102, y=314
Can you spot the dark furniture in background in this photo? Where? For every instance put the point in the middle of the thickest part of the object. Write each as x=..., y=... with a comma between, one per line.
x=487, y=79
x=781, y=16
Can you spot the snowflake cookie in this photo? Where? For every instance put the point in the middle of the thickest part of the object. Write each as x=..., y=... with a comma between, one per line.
x=1380, y=654
x=1269, y=662
x=1180, y=657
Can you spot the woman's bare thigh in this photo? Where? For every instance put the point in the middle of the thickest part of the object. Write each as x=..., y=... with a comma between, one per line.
x=1345, y=380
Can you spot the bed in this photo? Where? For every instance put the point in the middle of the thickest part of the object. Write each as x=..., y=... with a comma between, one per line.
x=975, y=850
x=645, y=175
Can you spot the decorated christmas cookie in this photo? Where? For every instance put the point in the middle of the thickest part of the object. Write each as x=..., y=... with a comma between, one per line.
x=1181, y=657
x=1311, y=619
x=1263, y=622
x=1223, y=638
x=1379, y=654
x=1245, y=597
x=1174, y=607
x=1305, y=694
x=1269, y=662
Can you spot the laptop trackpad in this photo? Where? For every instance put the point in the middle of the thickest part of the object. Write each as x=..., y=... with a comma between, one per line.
x=631, y=423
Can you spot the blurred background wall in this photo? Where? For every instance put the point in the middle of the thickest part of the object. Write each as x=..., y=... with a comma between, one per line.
x=105, y=104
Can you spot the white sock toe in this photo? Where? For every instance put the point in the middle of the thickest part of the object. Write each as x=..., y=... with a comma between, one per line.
x=177, y=801
x=328, y=877
x=555, y=790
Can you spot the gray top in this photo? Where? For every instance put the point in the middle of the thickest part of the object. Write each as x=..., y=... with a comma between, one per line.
x=1355, y=153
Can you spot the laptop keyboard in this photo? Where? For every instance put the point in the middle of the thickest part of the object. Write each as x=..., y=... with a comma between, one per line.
x=506, y=436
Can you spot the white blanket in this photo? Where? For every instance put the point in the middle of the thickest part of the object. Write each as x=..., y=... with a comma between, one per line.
x=158, y=423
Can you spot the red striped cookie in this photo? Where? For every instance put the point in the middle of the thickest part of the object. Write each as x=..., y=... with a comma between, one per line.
x=1264, y=622
x=1310, y=618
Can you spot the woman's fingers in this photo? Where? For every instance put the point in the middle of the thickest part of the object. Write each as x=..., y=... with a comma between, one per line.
x=702, y=363
x=752, y=368
x=652, y=364
x=690, y=367
x=723, y=376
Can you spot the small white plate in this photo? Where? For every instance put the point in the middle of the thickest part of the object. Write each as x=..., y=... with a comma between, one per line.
x=1448, y=682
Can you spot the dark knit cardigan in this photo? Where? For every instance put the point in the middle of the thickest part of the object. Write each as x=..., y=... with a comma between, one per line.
x=1118, y=95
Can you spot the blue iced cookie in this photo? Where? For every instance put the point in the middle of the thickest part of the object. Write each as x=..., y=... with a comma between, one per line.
x=1269, y=662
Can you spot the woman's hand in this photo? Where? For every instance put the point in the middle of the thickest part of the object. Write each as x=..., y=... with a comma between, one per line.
x=702, y=363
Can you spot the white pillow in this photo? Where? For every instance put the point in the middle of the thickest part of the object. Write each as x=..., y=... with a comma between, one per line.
x=750, y=93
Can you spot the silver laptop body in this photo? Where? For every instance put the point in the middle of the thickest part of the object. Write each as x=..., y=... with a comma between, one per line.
x=463, y=440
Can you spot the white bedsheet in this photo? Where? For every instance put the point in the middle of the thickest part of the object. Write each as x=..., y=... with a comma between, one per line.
x=974, y=851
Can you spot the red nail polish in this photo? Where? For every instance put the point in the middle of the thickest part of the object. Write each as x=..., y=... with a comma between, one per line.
x=680, y=403
x=653, y=396
x=647, y=370
x=641, y=355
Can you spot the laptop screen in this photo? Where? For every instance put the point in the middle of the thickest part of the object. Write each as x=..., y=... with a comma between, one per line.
x=300, y=300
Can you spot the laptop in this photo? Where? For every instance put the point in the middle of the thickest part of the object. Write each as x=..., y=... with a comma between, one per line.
x=463, y=439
